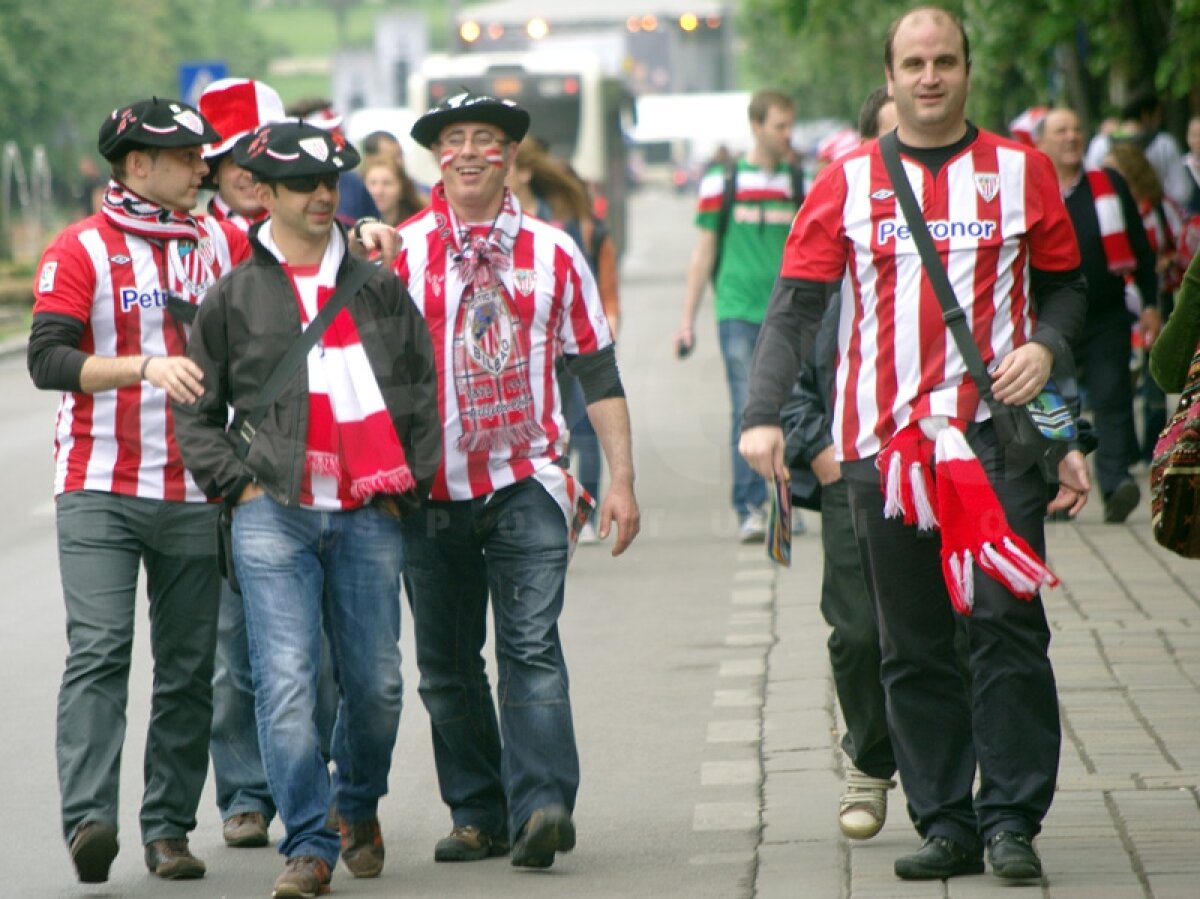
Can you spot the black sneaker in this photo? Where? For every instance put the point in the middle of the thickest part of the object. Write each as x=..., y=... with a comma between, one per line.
x=548, y=830
x=93, y=848
x=938, y=859
x=1012, y=857
x=1121, y=502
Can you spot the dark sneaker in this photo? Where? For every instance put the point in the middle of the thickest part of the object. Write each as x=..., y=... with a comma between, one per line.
x=1012, y=857
x=548, y=830
x=245, y=830
x=938, y=859
x=362, y=847
x=1122, y=501
x=172, y=860
x=303, y=877
x=93, y=848
x=467, y=843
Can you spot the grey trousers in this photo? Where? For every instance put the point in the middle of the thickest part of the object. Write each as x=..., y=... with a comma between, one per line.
x=103, y=539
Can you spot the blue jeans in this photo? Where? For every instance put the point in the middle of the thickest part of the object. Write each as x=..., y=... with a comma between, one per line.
x=737, y=339
x=241, y=783
x=300, y=569
x=515, y=547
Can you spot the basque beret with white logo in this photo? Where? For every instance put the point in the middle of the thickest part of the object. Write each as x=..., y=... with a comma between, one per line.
x=293, y=149
x=153, y=123
x=468, y=107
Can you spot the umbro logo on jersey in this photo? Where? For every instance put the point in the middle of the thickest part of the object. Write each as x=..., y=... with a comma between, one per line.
x=119, y=259
x=883, y=194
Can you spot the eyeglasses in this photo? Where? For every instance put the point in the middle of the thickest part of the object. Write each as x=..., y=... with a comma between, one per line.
x=482, y=139
x=306, y=184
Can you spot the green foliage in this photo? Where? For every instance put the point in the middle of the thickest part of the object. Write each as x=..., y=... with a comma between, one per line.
x=1087, y=53
x=65, y=64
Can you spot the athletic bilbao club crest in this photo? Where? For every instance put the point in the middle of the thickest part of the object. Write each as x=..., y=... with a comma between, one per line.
x=315, y=147
x=207, y=251
x=525, y=280
x=190, y=121
x=435, y=283
x=987, y=184
x=489, y=331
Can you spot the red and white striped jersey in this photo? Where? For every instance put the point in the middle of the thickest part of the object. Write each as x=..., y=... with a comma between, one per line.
x=123, y=441
x=994, y=211
x=560, y=311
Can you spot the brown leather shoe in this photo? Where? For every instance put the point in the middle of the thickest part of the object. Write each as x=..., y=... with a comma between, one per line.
x=467, y=843
x=304, y=877
x=362, y=847
x=93, y=848
x=245, y=830
x=548, y=830
x=172, y=860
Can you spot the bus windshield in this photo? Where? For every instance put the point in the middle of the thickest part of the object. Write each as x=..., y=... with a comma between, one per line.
x=551, y=99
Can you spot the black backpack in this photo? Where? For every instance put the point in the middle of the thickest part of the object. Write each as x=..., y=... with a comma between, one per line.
x=727, y=199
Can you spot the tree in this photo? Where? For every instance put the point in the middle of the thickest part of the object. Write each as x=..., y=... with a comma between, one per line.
x=1089, y=54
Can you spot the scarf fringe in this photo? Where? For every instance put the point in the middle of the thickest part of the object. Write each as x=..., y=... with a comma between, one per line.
x=500, y=438
x=959, y=500
x=398, y=480
x=922, y=493
x=326, y=464
x=958, y=570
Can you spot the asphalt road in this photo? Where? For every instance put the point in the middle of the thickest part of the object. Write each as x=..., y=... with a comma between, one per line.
x=645, y=637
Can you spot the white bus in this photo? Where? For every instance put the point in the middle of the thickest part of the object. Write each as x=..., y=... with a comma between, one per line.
x=578, y=112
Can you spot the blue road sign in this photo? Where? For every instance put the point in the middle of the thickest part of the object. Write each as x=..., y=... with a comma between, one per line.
x=195, y=76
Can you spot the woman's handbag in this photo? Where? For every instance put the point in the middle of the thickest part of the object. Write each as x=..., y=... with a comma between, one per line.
x=1175, y=473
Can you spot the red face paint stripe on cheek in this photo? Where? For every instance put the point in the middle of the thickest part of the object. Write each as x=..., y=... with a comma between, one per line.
x=447, y=157
x=494, y=156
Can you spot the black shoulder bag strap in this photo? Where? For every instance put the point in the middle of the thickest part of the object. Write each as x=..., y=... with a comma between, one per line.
x=728, y=197
x=952, y=312
x=244, y=426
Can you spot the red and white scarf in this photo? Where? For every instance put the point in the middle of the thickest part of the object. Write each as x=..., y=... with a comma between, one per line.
x=1117, y=250
x=190, y=261
x=223, y=212
x=491, y=344
x=931, y=478
x=351, y=435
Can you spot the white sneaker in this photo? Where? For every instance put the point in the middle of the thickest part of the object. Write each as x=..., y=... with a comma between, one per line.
x=864, y=805
x=753, y=528
x=587, y=534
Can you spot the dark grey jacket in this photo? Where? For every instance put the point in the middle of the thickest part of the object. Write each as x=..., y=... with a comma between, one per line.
x=805, y=416
x=244, y=327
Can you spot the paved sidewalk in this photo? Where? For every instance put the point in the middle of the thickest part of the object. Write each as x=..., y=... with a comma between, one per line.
x=1126, y=650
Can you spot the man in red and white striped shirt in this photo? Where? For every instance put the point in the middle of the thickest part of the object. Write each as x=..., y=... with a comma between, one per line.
x=505, y=297
x=113, y=297
x=998, y=223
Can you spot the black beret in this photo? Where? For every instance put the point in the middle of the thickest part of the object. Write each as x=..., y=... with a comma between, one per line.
x=153, y=123
x=468, y=107
x=292, y=150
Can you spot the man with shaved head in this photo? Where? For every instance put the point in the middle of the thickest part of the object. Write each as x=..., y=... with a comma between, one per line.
x=905, y=406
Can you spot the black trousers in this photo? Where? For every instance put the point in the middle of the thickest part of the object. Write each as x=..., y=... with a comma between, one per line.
x=1008, y=723
x=1103, y=360
x=849, y=609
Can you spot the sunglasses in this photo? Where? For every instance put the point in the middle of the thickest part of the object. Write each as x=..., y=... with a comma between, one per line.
x=306, y=184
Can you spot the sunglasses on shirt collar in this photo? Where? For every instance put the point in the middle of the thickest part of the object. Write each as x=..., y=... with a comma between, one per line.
x=306, y=184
